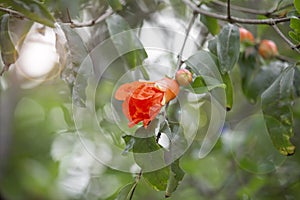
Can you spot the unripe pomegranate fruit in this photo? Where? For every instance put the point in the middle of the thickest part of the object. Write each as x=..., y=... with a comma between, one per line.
x=246, y=36
x=184, y=77
x=267, y=49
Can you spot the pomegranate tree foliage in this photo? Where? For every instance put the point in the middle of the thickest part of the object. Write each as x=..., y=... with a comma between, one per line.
x=206, y=156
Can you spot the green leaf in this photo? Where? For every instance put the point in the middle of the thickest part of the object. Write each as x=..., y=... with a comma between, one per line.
x=228, y=47
x=199, y=85
x=228, y=90
x=9, y=53
x=126, y=42
x=146, y=152
x=126, y=191
x=33, y=10
x=158, y=179
x=176, y=176
x=211, y=24
x=277, y=110
x=78, y=65
x=297, y=5
x=295, y=25
x=115, y=5
x=212, y=46
x=255, y=78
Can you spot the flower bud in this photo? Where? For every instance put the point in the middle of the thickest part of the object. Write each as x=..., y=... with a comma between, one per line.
x=246, y=36
x=267, y=49
x=184, y=77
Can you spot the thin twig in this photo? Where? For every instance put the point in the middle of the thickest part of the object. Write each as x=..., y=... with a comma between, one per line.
x=291, y=44
x=12, y=12
x=245, y=10
x=179, y=61
x=137, y=179
x=228, y=11
x=270, y=21
x=91, y=22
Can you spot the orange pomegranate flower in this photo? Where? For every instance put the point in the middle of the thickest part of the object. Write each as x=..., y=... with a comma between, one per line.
x=143, y=100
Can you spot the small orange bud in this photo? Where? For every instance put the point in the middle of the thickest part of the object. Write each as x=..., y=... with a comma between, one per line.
x=246, y=36
x=267, y=49
x=184, y=77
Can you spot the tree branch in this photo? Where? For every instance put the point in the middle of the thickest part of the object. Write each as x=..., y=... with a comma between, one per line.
x=270, y=21
x=91, y=22
x=291, y=44
x=235, y=19
x=246, y=10
x=179, y=61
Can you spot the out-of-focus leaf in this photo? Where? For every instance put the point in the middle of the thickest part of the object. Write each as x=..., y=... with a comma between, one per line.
x=297, y=82
x=176, y=176
x=115, y=5
x=125, y=192
x=228, y=47
x=297, y=5
x=179, y=7
x=211, y=24
x=228, y=90
x=158, y=179
x=126, y=42
x=32, y=9
x=9, y=53
x=78, y=65
x=247, y=65
x=277, y=110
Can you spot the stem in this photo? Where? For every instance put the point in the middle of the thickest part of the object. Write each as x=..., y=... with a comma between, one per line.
x=179, y=61
x=137, y=179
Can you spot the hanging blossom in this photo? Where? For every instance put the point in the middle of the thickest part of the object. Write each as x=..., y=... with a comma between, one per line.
x=143, y=100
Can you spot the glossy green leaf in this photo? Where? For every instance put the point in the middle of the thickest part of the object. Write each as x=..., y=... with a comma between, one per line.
x=176, y=176
x=126, y=191
x=256, y=79
x=211, y=24
x=33, y=10
x=199, y=85
x=147, y=153
x=9, y=53
x=115, y=5
x=212, y=46
x=297, y=5
x=158, y=179
x=228, y=47
x=228, y=90
x=78, y=65
x=277, y=110
x=126, y=42
x=295, y=25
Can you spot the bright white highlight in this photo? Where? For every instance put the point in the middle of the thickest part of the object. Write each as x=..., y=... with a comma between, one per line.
x=38, y=55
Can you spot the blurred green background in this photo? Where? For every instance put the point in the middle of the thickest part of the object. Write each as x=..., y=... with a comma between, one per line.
x=42, y=156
